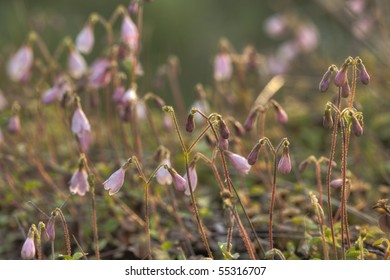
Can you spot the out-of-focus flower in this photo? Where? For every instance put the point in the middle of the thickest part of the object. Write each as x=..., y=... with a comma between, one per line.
x=307, y=38
x=178, y=181
x=50, y=229
x=250, y=121
x=281, y=115
x=203, y=106
x=56, y=92
x=336, y=183
x=240, y=163
x=363, y=26
x=100, y=74
x=79, y=182
x=3, y=101
x=356, y=127
x=254, y=154
x=275, y=26
x=115, y=182
x=190, y=123
x=19, y=65
x=223, y=68
x=130, y=96
x=14, y=124
x=193, y=179
x=85, y=39
x=162, y=175
x=118, y=94
x=356, y=6
x=129, y=33
x=133, y=7
x=82, y=128
x=28, y=249
x=76, y=64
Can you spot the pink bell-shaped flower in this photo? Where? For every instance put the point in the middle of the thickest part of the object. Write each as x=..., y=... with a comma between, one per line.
x=162, y=175
x=240, y=163
x=100, y=74
x=193, y=178
x=223, y=68
x=56, y=92
x=284, y=165
x=19, y=65
x=14, y=124
x=79, y=182
x=115, y=182
x=28, y=249
x=129, y=33
x=82, y=129
x=85, y=39
x=76, y=64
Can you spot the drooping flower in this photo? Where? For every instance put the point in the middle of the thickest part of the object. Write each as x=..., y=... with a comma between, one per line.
x=81, y=128
x=100, y=74
x=115, y=182
x=223, y=68
x=85, y=39
x=325, y=81
x=284, y=165
x=50, y=229
x=240, y=163
x=254, y=154
x=178, y=181
x=79, y=182
x=56, y=92
x=193, y=179
x=14, y=124
x=364, y=76
x=281, y=115
x=76, y=64
x=28, y=249
x=223, y=129
x=356, y=127
x=336, y=183
x=19, y=65
x=345, y=90
x=327, y=120
x=118, y=94
x=162, y=175
x=129, y=33
x=250, y=121
x=190, y=124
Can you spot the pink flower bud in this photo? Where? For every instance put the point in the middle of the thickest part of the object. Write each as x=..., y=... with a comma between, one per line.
x=223, y=143
x=50, y=229
x=240, y=163
x=79, y=182
x=223, y=129
x=85, y=39
x=275, y=26
x=56, y=92
x=223, y=68
x=76, y=64
x=281, y=115
x=129, y=33
x=254, y=154
x=364, y=77
x=284, y=165
x=345, y=90
x=28, y=249
x=114, y=183
x=162, y=175
x=14, y=124
x=325, y=81
x=341, y=76
x=178, y=181
x=19, y=65
x=193, y=179
x=250, y=121
x=190, y=124
x=133, y=7
x=357, y=128
x=100, y=74
x=336, y=183
x=307, y=38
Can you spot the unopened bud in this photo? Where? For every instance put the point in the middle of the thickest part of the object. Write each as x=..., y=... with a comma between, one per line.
x=345, y=90
x=190, y=124
x=325, y=81
x=357, y=128
x=254, y=154
x=364, y=77
x=341, y=76
x=250, y=121
x=327, y=120
x=284, y=165
x=238, y=129
x=224, y=130
x=303, y=165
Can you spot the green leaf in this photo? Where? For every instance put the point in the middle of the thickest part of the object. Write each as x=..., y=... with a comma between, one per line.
x=32, y=184
x=380, y=241
x=65, y=257
x=77, y=256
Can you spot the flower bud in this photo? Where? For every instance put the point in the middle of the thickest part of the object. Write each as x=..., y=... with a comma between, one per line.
x=50, y=229
x=28, y=249
x=223, y=129
x=223, y=143
x=325, y=81
x=284, y=165
x=254, y=154
x=341, y=75
x=129, y=33
x=238, y=129
x=364, y=76
x=250, y=121
x=357, y=128
x=14, y=124
x=281, y=115
x=190, y=124
x=303, y=165
x=76, y=64
x=327, y=120
x=336, y=183
x=345, y=90
x=19, y=65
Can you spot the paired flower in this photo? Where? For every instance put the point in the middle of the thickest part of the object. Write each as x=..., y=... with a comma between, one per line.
x=19, y=65
x=85, y=39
